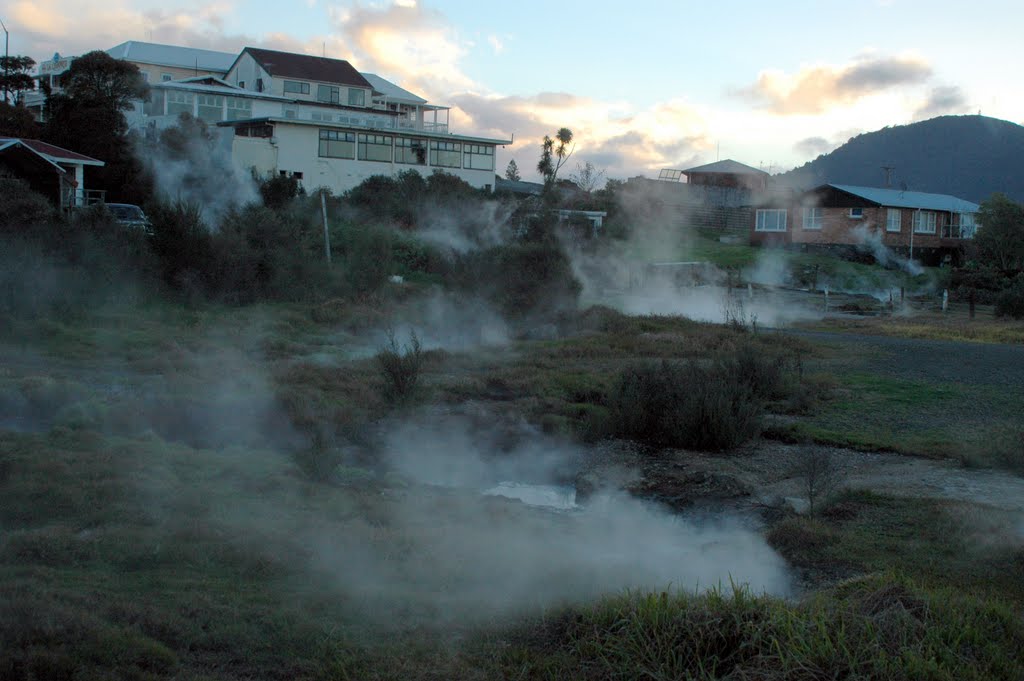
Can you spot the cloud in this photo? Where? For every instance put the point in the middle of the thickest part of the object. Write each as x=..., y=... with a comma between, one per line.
x=77, y=26
x=496, y=44
x=403, y=41
x=815, y=89
x=812, y=146
x=942, y=100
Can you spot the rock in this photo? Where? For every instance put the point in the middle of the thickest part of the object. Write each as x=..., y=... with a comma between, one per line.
x=681, y=490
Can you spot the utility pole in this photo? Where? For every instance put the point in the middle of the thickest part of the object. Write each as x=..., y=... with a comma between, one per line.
x=7, y=61
x=888, y=175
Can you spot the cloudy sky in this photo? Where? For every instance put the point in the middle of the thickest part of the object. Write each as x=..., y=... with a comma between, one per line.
x=644, y=85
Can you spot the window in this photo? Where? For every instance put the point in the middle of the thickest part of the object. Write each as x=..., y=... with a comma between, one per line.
x=239, y=108
x=356, y=97
x=924, y=222
x=145, y=75
x=335, y=144
x=291, y=112
x=413, y=152
x=813, y=217
x=479, y=157
x=261, y=130
x=241, y=84
x=771, y=220
x=211, y=108
x=297, y=174
x=856, y=213
x=259, y=85
x=446, y=154
x=967, y=226
x=179, y=102
x=374, y=148
x=296, y=87
x=328, y=93
x=894, y=220
x=164, y=77
x=320, y=116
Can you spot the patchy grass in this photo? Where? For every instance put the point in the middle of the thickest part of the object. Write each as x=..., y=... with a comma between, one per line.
x=933, y=326
x=885, y=626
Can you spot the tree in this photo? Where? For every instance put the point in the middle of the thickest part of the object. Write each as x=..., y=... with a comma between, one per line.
x=512, y=172
x=99, y=79
x=587, y=177
x=552, y=157
x=16, y=77
x=88, y=117
x=1000, y=237
x=17, y=121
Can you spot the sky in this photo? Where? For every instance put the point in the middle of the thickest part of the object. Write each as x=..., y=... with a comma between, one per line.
x=643, y=85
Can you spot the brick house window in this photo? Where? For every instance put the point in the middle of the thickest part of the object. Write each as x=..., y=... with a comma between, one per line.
x=771, y=220
x=894, y=220
x=813, y=217
x=925, y=222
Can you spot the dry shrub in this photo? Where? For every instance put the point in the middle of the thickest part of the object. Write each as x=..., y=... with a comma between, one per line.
x=400, y=367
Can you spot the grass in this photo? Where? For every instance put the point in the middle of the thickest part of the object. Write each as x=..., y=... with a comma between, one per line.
x=130, y=547
x=931, y=325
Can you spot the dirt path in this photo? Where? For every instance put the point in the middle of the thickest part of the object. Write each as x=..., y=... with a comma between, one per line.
x=766, y=468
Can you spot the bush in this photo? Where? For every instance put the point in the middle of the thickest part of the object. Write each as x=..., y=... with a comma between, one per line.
x=523, y=280
x=400, y=367
x=685, y=405
x=278, y=190
x=1010, y=303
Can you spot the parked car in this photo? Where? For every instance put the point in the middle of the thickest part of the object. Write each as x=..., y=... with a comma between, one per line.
x=130, y=215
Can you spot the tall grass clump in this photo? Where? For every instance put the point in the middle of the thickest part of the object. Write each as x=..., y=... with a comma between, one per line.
x=686, y=405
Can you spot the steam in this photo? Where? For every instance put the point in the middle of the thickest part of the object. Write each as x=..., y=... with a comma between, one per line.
x=650, y=273
x=473, y=226
x=871, y=240
x=192, y=164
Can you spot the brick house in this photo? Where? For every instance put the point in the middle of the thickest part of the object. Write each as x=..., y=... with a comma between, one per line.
x=845, y=218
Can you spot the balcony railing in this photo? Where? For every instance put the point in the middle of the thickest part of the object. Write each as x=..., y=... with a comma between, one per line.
x=79, y=198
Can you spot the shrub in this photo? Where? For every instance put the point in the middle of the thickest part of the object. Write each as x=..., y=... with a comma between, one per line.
x=400, y=367
x=278, y=190
x=1010, y=303
x=684, y=405
x=523, y=280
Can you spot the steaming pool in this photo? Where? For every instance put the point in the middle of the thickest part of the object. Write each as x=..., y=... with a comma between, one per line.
x=545, y=496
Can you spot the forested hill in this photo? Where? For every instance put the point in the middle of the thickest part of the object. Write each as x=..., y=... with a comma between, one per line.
x=966, y=156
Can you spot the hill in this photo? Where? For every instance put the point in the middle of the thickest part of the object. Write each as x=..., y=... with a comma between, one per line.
x=966, y=156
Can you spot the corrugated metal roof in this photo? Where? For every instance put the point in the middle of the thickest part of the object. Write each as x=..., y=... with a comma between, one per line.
x=308, y=67
x=173, y=55
x=392, y=91
x=898, y=198
x=727, y=166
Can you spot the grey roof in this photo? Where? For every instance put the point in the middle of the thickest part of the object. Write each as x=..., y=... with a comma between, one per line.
x=518, y=186
x=727, y=166
x=898, y=198
x=172, y=55
x=392, y=91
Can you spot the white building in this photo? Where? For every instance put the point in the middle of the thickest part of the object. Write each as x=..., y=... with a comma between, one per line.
x=313, y=118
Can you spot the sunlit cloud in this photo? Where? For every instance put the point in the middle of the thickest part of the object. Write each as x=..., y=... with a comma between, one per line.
x=816, y=89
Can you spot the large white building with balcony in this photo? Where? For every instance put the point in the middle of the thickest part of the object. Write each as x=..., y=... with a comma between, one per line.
x=313, y=118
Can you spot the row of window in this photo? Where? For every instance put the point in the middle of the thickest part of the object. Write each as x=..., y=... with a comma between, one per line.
x=210, y=108
x=329, y=94
x=385, y=148
x=774, y=219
